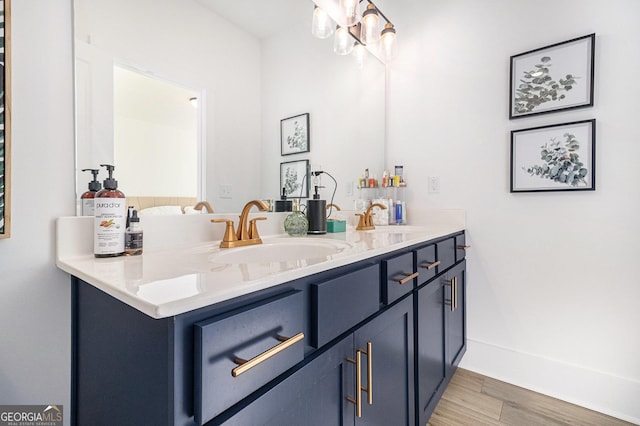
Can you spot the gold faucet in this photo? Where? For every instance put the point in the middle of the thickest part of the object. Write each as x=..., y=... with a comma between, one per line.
x=247, y=234
x=337, y=207
x=366, y=220
x=204, y=204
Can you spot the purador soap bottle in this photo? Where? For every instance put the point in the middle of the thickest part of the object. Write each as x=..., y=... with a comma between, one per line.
x=88, y=197
x=110, y=218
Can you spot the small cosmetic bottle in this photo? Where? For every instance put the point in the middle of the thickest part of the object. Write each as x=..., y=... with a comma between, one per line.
x=133, y=236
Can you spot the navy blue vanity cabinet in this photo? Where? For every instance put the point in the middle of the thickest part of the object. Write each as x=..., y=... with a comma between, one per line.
x=455, y=316
x=427, y=263
x=440, y=323
x=376, y=358
x=311, y=396
x=446, y=253
x=398, y=275
x=430, y=352
x=238, y=352
x=385, y=348
x=347, y=346
x=461, y=247
x=340, y=303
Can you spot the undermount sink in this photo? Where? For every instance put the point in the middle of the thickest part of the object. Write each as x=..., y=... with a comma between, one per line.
x=281, y=250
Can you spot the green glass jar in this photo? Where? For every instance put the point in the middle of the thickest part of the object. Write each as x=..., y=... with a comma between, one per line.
x=296, y=224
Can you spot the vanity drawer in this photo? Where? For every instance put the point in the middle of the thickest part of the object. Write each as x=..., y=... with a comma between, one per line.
x=446, y=253
x=461, y=247
x=398, y=277
x=426, y=263
x=238, y=352
x=341, y=303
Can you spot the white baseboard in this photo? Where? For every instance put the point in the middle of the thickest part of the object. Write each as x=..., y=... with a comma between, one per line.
x=608, y=394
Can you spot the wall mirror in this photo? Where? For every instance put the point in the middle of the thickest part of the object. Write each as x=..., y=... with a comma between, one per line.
x=249, y=64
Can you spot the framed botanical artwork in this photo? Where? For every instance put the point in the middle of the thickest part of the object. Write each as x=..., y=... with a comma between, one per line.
x=560, y=157
x=294, y=178
x=5, y=119
x=553, y=78
x=294, y=134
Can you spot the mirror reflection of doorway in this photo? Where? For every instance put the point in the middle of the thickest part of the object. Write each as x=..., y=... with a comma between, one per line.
x=156, y=136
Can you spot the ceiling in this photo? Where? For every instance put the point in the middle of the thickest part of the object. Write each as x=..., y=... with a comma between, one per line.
x=260, y=18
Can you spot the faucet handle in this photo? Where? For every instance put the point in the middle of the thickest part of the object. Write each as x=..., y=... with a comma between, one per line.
x=229, y=232
x=253, y=228
x=362, y=222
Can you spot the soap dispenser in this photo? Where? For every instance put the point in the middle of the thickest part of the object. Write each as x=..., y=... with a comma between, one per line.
x=88, y=197
x=110, y=218
x=284, y=205
x=317, y=214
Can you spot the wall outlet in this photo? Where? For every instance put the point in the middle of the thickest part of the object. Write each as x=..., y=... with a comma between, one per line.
x=434, y=184
x=225, y=191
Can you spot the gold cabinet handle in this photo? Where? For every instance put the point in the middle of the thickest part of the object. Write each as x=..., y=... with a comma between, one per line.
x=369, y=388
x=358, y=399
x=455, y=293
x=451, y=302
x=430, y=266
x=244, y=365
x=407, y=278
x=464, y=247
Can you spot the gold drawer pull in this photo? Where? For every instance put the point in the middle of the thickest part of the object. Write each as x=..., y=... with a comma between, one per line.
x=451, y=302
x=369, y=388
x=430, y=266
x=358, y=399
x=244, y=365
x=455, y=293
x=407, y=278
x=464, y=247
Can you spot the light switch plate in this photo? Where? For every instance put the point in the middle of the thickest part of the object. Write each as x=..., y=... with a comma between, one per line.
x=225, y=191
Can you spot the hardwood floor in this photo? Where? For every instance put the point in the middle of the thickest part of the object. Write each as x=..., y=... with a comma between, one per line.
x=473, y=399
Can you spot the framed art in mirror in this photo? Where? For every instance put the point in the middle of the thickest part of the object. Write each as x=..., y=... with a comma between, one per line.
x=5, y=119
x=294, y=134
x=294, y=178
x=560, y=157
x=553, y=78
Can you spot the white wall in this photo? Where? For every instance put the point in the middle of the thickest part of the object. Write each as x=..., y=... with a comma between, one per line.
x=552, y=298
x=346, y=106
x=35, y=300
x=552, y=287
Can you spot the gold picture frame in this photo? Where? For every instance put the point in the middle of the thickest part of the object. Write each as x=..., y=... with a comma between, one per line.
x=5, y=118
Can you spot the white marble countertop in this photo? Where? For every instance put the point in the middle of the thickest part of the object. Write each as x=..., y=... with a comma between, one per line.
x=180, y=271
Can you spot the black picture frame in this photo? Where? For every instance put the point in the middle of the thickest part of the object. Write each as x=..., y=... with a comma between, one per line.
x=557, y=157
x=294, y=177
x=5, y=119
x=294, y=135
x=553, y=78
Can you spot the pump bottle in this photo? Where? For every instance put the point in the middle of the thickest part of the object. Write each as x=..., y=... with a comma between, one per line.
x=133, y=236
x=110, y=218
x=88, y=197
x=317, y=214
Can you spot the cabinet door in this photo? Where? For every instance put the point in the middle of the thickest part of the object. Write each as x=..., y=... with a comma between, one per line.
x=387, y=367
x=312, y=396
x=430, y=352
x=456, y=324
